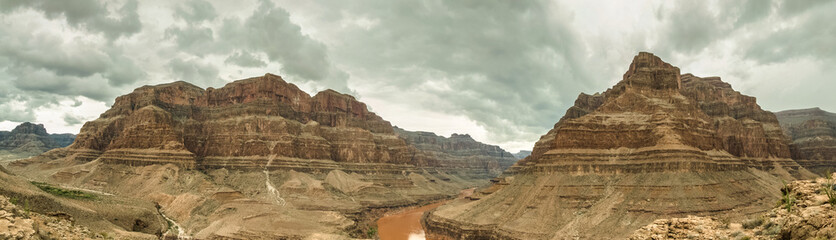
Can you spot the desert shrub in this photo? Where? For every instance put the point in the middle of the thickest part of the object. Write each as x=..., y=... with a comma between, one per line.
x=74, y=194
x=828, y=189
x=753, y=223
x=371, y=232
x=788, y=197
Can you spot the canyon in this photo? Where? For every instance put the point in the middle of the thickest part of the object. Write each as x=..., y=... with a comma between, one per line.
x=257, y=158
x=658, y=144
x=28, y=139
x=813, y=134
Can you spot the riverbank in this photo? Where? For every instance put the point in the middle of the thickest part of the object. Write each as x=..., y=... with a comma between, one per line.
x=405, y=224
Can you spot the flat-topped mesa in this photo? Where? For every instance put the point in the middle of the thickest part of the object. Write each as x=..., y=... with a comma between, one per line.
x=245, y=124
x=655, y=145
x=813, y=134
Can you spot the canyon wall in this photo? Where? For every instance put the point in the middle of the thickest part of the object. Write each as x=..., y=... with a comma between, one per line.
x=657, y=144
x=259, y=158
x=813, y=134
x=28, y=139
x=459, y=151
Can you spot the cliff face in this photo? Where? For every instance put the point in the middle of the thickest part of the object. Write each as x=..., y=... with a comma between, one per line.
x=457, y=151
x=657, y=144
x=28, y=139
x=259, y=158
x=241, y=125
x=813, y=134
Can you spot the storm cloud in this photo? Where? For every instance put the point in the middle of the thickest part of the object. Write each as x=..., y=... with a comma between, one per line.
x=502, y=71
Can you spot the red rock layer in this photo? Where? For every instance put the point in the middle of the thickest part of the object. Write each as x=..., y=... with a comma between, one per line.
x=657, y=144
x=248, y=123
x=813, y=134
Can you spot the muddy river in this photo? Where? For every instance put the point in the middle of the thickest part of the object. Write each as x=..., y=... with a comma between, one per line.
x=406, y=224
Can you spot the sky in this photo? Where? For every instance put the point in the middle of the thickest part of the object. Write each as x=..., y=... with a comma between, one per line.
x=502, y=71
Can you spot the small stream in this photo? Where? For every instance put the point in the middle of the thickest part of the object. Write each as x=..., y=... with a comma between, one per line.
x=181, y=233
x=270, y=188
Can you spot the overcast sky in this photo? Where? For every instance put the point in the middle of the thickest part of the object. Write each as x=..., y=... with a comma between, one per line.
x=501, y=71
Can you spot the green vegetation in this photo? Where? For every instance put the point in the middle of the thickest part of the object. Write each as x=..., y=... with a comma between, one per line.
x=828, y=189
x=74, y=194
x=789, y=196
x=372, y=232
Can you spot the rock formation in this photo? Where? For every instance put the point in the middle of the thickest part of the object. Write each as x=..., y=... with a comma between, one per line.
x=459, y=151
x=29, y=139
x=239, y=125
x=813, y=134
x=810, y=216
x=657, y=144
x=259, y=158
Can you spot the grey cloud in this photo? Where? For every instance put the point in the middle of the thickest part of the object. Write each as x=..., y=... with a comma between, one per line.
x=500, y=63
x=245, y=59
x=793, y=7
x=194, y=71
x=49, y=63
x=91, y=15
x=72, y=120
x=809, y=37
x=690, y=26
x=197, y=40
x=270, y=31
x=196, y=11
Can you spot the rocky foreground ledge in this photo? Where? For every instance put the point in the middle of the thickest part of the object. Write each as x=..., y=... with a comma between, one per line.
x=17, y=221
x=810, y=215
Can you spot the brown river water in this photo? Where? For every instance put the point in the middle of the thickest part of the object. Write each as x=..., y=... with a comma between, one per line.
x=406, y=224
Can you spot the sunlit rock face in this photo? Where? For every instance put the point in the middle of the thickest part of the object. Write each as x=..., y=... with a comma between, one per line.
x=240, y=124
x=813, y=134
x=248, y=122
x=657, y=144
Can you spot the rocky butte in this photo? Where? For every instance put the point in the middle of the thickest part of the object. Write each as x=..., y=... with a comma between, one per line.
x=28, y=139
x=658, y=144
x=260, y=158
x=813, y=134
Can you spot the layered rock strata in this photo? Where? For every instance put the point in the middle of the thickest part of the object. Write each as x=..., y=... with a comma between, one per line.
x=28, y=139
x=813, y=134
x=657, y=144
x=246, y=123
x=459, y=151
x=259, y=158
x=809, y=216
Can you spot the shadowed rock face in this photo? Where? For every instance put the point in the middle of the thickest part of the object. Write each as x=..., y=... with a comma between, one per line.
x=813, y=134
x=457, y=151
x=28, y=139
x=657, y=144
